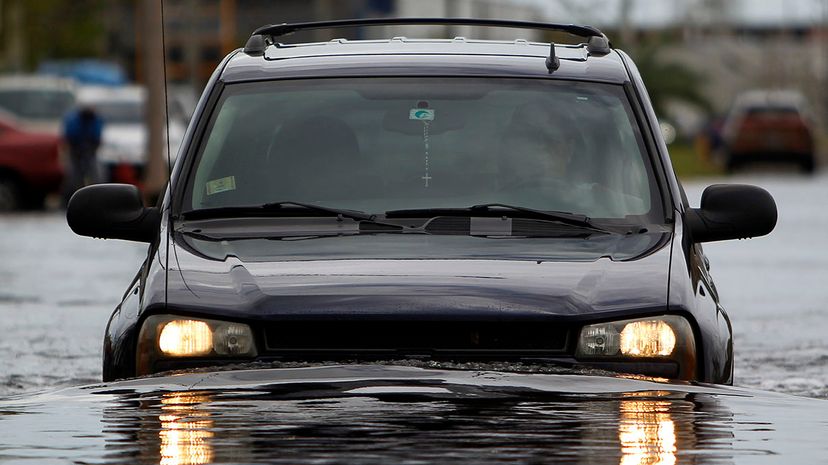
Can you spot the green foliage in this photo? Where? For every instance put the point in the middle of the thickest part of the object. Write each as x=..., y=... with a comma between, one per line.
x=63, y=29
x=666, y=80
x=688, y=164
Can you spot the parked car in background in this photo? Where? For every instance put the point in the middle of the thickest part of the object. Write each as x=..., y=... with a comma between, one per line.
x=122, y=154
x=30, y=165
x=769, y=126
x=38, y=103
x=88, y=71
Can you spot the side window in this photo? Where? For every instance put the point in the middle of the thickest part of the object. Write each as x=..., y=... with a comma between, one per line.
x=207, y=169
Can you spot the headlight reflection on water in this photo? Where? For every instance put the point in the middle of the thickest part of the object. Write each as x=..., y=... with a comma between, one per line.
x=185, y=430
x=647, y=433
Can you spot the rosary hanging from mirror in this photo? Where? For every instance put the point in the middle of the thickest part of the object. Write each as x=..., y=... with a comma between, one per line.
x=426, y=115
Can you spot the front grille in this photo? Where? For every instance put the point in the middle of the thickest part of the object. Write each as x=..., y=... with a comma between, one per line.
x=415, y=336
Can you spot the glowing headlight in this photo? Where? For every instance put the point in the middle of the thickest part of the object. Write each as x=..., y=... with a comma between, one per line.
x=181, y=338
x=167, y=337
x=641, y=344
x=641, y=338
x=647, y=339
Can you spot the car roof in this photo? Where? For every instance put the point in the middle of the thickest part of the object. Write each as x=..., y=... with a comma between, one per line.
x=759, y=98
x=35, y=81
x=423, y=57
x=92, y=94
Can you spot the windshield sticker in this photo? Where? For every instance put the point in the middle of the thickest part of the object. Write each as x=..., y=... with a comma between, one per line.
x=421, y=114
x=221, y=185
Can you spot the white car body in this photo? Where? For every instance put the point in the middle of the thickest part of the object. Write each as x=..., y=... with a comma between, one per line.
x=124, y=139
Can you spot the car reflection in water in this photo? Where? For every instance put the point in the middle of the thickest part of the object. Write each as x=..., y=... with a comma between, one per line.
x=647, y=433
x=650, y=427
x=186, y=430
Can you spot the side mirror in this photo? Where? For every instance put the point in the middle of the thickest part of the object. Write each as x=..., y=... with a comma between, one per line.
x=732, y=211
x=112, y=211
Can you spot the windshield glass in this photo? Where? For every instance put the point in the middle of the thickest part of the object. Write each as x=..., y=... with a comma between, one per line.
x=381, y=144
x=37, y=104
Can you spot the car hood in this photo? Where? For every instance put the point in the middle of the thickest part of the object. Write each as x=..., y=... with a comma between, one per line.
x=420, y=277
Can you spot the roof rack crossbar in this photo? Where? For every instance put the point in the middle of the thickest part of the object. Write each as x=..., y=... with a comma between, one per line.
x=266, y=34
x=277, y=30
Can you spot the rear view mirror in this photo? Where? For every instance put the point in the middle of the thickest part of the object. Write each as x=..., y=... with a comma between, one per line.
x=732, y=211
x=112, y=211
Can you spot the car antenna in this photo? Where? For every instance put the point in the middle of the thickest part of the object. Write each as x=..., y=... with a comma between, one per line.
x=167, y=131
x=552, y=61
x=166, y=96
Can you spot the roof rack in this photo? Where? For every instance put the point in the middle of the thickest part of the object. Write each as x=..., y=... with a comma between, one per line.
x=597, y=42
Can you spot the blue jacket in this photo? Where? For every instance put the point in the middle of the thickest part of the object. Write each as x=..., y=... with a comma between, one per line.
x=81, y=134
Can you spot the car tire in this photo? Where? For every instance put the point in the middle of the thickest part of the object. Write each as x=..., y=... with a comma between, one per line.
x=808, y=166
x=34, y=201
x=732, y=165
x=9, y=194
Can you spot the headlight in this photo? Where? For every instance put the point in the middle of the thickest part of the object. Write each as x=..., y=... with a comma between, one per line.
x=183, y=338
x=662, y=345
x=171, y=337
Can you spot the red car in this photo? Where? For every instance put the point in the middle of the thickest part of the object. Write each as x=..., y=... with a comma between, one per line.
x=770, y=127
x=30, y=166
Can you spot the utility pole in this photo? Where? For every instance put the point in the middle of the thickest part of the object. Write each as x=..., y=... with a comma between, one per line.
x=822, y=31
x=16, y=46
x=322, y=10
x=450, y=11
x=192, y=41
x=156, y=170
x=625, y=22
x=227, y=25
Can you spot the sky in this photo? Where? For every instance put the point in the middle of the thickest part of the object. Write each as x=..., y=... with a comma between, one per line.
x=662, y=12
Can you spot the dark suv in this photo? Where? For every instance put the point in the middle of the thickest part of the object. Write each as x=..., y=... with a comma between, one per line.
x=442, y=200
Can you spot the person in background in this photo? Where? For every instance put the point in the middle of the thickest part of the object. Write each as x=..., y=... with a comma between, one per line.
x=82, y=130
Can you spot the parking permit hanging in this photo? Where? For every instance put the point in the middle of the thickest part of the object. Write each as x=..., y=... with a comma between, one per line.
x=426, y=115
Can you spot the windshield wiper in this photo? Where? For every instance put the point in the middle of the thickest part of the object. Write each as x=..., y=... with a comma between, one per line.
x=368, y=222
x=274, y=209
x=492, y=209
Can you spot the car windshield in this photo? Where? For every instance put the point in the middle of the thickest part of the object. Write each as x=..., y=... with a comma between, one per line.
x=38, y=104
x=390, y=144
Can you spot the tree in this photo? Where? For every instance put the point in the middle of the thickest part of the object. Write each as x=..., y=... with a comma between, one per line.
x=668, y=81
x=58, y=28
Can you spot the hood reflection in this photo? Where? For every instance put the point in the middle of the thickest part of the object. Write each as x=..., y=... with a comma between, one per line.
x=186, y=429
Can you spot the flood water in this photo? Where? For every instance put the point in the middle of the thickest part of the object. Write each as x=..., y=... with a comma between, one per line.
x=774, y=288
x=57, y=291
x=382, y=414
